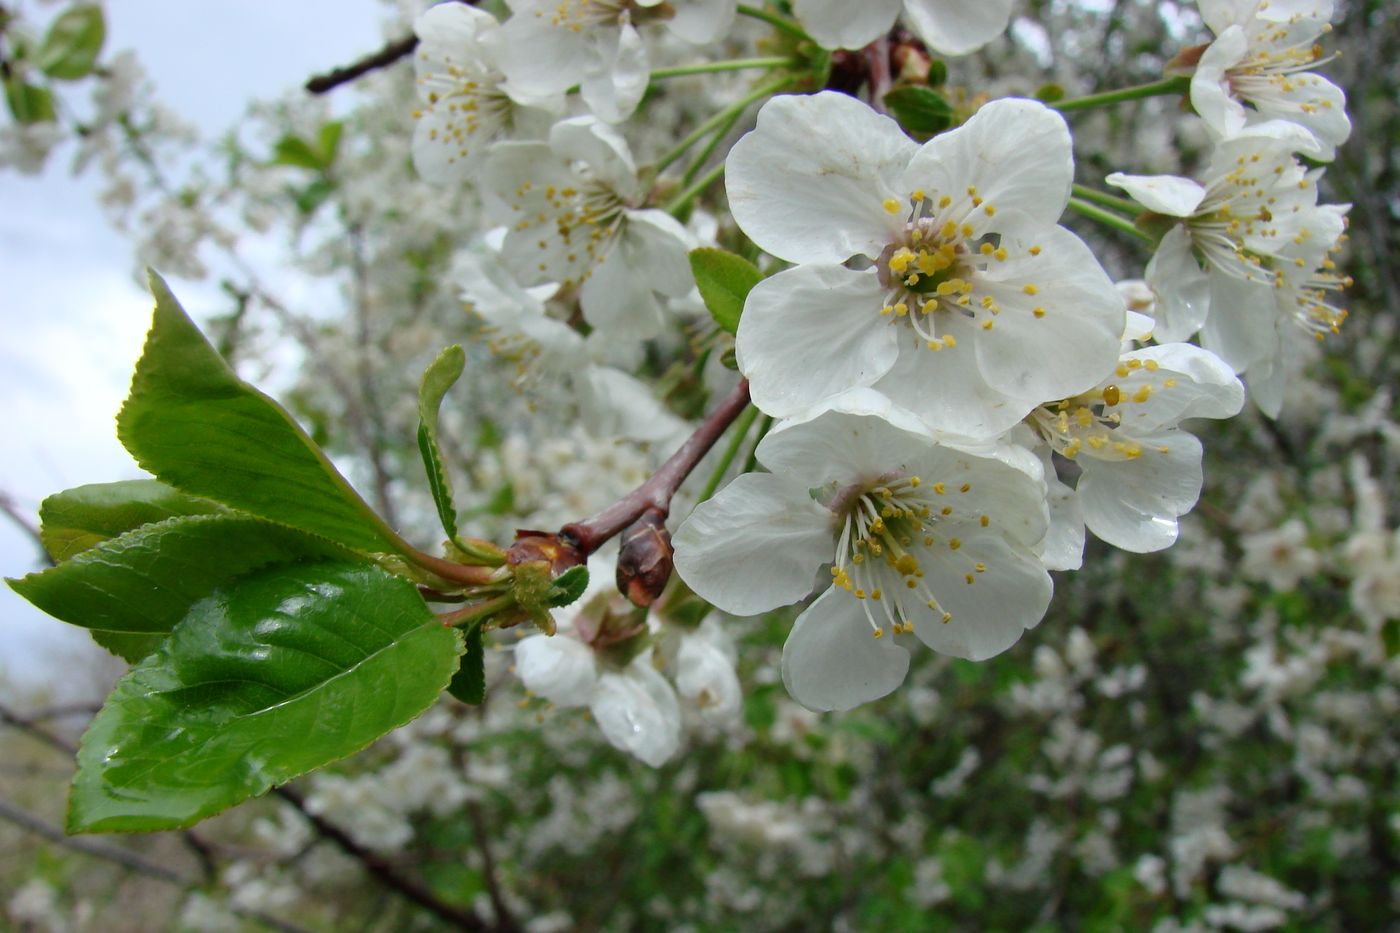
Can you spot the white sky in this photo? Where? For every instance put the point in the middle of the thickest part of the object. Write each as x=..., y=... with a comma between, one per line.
x=71, y=317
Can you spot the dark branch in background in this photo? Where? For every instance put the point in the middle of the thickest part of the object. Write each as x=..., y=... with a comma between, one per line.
x=654, y=496
x=386, y=56
x=383, y=870
x=21, y=520
x=132, y=861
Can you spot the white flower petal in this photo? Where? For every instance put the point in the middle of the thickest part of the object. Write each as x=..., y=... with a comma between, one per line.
x=831, y=660
x=810, y=182
x=1181, y=285
x=637, y=711
x=1134, y=504
x=957, y=27
x=990, y=613
x=557, y=667
x=1072, y=343
x=840, y=24
x=1016, y=153
x=705, y=677
x=1240, y=329
x=614, y=91
x=1165, y=194
x=811, y=332
x=755, y=546
x=703, y=21
x=857, y=436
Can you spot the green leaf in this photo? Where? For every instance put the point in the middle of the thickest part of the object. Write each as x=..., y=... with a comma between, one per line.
x=194, y=424
x=567, y=587
x=76, y=519
x=287, y=671
x=724, y=280
x=937, y=73
x=328, y=141
x=469, y=683
x=919, y=110
x=143, y=582
x=311, y=197
x=1049, y=93
x=28, y=103
x=441, y=376
x=73, y=42
x=296, y=152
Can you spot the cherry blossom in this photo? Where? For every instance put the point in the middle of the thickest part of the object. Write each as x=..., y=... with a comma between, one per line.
x=935, y=273
x=951, y=27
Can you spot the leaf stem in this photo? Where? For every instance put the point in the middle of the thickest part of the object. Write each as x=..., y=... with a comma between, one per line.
x=1110, y=201
x=1162, y=88
x=736, y=64
x=696, y=188
x=727, y=115
x=1099, y=215
x=741, y=431
x=774, y=20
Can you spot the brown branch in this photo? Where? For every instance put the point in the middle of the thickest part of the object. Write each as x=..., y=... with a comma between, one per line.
x=383, y=870
x=395, y=50
x=654, y=496
x=132, y=861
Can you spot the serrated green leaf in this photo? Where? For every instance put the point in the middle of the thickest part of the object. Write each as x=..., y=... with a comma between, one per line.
x=194, y=424
x=287, y=671
x=567, y=587
x=724, y=280
x=126, y=645
x=919, y=110
x=469, y=683
x=74, y=520
x=144, y=581
x=28, y=103
x=441, y=376
x=71, y=46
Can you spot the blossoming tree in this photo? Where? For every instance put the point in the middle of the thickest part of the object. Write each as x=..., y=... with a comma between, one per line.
x=800, y=283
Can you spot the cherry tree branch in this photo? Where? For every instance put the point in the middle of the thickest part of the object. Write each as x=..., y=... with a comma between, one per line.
x=654, y=496
x=392, y=52
x=383, y=870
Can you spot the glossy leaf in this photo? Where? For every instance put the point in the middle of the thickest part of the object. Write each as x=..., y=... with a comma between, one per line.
x=469, y=683
x=72, y=44
x=441, y=376
x=143, y=582
x=193, y=423
x=724, y=280
x=289, y=670
x=919, y=110
x=76, y=519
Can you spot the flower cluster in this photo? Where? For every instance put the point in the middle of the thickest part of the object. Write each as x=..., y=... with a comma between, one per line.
x=959, y=389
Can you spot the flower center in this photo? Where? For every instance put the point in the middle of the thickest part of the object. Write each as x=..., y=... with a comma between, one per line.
x=936, y=265
x=887, y=533
x=1092, y=423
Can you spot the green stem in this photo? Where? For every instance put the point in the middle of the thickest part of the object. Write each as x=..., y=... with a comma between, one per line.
x=719, y=136
x=738, y=64
x=1102, y=216
x=1165, y=87
x=741, y=431
x=774, y=20
x=681, y=201
x=719, y=119
x=477, y=612
x=1110, y=201
x=752, y=463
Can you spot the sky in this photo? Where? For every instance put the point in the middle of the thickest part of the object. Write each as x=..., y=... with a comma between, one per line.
x=72, y=317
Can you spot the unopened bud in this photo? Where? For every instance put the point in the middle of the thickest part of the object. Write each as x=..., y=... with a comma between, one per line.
x=645, y=562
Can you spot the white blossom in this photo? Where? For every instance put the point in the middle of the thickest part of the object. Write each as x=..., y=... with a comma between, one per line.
x=965, y=303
